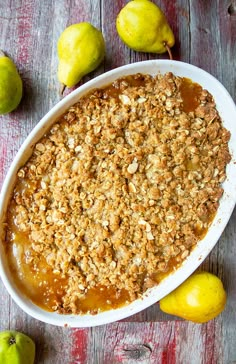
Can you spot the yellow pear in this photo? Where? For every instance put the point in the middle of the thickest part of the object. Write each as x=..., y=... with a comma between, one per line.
x=143, y=27
x=199, y=299
x=10, y=85
x=81, y=49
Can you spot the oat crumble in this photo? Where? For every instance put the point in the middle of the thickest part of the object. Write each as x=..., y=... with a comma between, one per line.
x=122, y=187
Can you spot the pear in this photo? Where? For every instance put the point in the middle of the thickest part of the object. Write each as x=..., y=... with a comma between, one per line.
x=199, y=299
x=16, y=348
x=10, y=85
x=143, y=27
x=81, y=48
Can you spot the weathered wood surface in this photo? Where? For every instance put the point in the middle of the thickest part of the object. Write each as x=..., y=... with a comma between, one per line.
x=205, y=36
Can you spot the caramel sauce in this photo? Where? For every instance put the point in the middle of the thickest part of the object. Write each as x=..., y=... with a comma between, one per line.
x=33, y=277
x=200, y=231
x=170, y=267
x=190, y=166
x=46, y=289
x=42, y=286
x=115, y=89
x=190, y=93
x=103, y=298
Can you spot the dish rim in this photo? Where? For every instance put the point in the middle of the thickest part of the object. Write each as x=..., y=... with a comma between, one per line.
x=203, y=247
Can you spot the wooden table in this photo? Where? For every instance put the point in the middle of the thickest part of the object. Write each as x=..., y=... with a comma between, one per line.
x=205, y=36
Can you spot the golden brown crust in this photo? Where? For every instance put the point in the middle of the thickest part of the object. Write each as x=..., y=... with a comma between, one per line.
x=122, y=185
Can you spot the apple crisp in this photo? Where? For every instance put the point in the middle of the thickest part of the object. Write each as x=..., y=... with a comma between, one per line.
x=117, y=193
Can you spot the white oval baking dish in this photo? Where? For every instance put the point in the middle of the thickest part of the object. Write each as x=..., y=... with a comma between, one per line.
x=227, y=110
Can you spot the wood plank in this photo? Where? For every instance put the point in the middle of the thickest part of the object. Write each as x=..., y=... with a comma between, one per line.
x=205, y=36
x=227, y=268
x=214, y=37
x=150, y=343
x=227, y=31
x=177, y=14
x=117, y=54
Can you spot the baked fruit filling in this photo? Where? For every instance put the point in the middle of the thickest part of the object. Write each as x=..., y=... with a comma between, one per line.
x=116, y=194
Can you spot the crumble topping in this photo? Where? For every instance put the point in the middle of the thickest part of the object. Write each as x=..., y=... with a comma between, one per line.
x=121, y=188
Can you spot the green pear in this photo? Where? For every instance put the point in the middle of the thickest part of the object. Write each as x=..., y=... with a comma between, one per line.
x=81, y=48
x=143, y=27
x=16, y=348
x=10, y=85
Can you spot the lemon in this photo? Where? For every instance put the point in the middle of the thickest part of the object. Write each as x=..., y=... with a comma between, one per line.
x=199, y=299
x=81, y=48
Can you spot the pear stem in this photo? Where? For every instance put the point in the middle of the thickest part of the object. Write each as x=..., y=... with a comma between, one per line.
x=2, y=54
x=62, y=88
x=168, y=50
